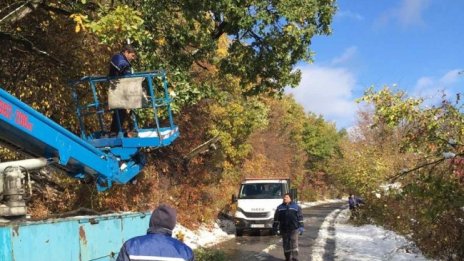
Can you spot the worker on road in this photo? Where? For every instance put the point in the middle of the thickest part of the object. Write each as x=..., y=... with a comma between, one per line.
x=354, y=203
x=288, y=219
x=158, y=243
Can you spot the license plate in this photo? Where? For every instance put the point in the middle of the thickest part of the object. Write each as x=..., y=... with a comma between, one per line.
x=257, y=225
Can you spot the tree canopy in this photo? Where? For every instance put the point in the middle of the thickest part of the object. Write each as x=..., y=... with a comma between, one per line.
x=227, y=62
x=266, y=38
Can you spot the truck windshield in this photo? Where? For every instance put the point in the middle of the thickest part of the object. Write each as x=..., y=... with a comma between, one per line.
x=261, y=191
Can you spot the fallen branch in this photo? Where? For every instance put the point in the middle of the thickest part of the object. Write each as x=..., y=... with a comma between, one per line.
x=201, y=148
x=28, y=45
x=404, y=173
x=21, y=11
x=434, y=163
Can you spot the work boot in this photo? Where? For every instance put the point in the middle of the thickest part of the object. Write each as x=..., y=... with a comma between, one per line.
x=287, y=257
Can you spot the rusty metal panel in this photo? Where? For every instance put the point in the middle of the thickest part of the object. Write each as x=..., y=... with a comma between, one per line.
x=100, y=239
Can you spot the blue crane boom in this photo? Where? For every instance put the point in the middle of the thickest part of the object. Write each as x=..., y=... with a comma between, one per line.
x=104, y=156
x=106, y=159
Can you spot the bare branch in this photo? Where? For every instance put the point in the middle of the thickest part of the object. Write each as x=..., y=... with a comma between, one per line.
x=404, y=173
x=200, y=65
x=434, y=163
x=11, y=6
x=28, y=45
x=21, y=11
x=206, y=146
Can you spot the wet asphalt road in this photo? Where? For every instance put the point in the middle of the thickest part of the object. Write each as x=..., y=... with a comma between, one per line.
x=264, y=247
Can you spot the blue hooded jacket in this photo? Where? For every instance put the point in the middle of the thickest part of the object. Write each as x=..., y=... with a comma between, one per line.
x=157, y=244
x=119, y=65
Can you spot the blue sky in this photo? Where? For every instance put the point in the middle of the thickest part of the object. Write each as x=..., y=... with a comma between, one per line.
x=416, y=44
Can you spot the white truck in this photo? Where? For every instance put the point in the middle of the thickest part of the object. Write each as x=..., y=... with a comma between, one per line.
x=257, y=201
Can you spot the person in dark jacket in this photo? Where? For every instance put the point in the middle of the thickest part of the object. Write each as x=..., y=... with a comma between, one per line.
x=353, y=203
x=288, y=219
x=158, y=244
x=120, y=65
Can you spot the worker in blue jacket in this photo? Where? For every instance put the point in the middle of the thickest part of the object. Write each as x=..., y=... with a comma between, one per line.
x=158, y=243
x=354, y=203
x=121, y=62
x=120, y=65
x=288, y=219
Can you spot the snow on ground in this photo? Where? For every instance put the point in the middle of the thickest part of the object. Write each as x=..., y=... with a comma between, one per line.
x=221, y=230
x=323, y=236
x=363, y=243
x=320, y=202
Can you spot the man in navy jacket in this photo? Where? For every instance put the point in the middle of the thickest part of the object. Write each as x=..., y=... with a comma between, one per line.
x=121, y=62
x=158, y=244
x=121, y=65
x=288, y=218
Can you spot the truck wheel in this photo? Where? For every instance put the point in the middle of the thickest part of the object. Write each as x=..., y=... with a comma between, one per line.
x=239, y=232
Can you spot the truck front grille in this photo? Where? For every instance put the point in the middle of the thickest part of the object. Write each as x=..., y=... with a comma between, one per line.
x=255, y=214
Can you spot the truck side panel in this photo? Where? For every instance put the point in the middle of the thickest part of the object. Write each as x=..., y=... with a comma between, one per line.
x=74, y=239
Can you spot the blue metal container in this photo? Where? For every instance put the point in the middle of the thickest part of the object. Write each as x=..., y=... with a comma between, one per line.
x=82, y=238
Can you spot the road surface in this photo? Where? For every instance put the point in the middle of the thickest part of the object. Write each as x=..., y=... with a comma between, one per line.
x=264, y=247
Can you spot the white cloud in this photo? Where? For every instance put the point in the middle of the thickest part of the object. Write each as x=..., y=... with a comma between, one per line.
x=327, y=91
x=433, y=88
x=451, y=77
x=350, y=15
x=408, y=13
x=411, y=11
x=346, y=56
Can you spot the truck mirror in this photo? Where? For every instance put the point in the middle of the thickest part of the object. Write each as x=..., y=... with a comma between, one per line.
x=294, y=193
x=234, y=198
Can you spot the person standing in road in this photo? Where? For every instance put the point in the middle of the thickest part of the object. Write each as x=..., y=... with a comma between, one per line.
x=353, y=203
x=158, y=243
x=288, y=219
x=352, y=206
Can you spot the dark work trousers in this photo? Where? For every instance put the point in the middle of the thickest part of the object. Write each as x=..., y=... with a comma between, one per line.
x=123, y=117
x=290, y=242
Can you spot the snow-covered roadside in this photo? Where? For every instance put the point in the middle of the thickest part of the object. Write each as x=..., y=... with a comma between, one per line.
x=320, y=202
x=222, y=230
x=367, y=242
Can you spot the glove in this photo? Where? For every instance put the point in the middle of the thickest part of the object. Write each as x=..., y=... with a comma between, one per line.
x=301, y=230
x=275, y=230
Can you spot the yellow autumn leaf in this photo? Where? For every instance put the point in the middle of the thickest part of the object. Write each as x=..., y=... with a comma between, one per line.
x=79, y=20
x=160, y=41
